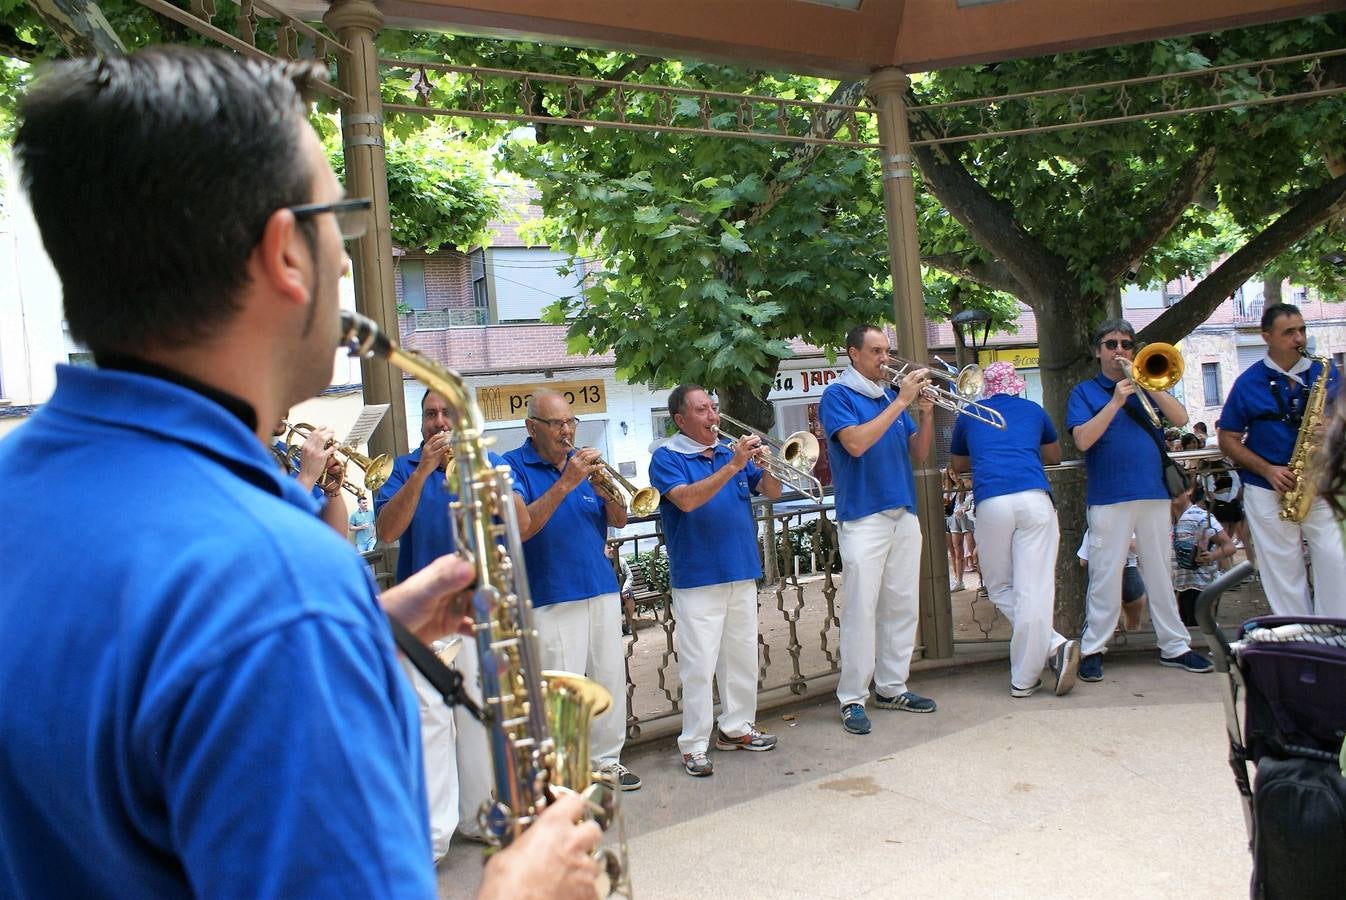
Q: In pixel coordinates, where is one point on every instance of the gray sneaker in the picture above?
(697, 765)
(1025, 691)
(905, 701)
(621, 777)
(1065, 665)
(752, 739)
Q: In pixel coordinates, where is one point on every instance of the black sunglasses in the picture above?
(352, 215)
(1111, 344)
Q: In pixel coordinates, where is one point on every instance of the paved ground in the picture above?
(1118, 790)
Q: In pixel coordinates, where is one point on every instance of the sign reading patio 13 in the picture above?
(504, 402)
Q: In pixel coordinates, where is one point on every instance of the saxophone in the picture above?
(1295, 503)
(537, 721)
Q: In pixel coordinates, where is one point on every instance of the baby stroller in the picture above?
(1291, 674)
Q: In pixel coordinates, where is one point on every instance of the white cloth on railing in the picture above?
(860, 384)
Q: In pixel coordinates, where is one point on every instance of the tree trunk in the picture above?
(1114, 302)
(80, 25)
(747, 407)
(1271, 291)
(1064, 355)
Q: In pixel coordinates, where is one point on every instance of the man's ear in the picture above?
(282, 259)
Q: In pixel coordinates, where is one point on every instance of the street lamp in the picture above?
(969, 319)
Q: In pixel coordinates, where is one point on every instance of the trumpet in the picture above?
(790, 461)
(641, 501)
(1157, 367)
(958, 395)
(376, 470)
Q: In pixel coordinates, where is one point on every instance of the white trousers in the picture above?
(1280, 556)
(880, 603)
(585, 637)
(1110, 529)
(716, 634)
(441, 768)
(1017, 537)
(472, 749)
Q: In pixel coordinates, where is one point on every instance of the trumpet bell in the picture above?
(379, 470)
(800, 450)
(645, 501)
(968, 383)
(1157, 367)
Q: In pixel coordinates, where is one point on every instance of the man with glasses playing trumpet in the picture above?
(1118, 431)
(577, 608)
(872, 441)
(714, 565)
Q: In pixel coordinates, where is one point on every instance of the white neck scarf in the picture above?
(681, 443)
(1301, 365)
(860, 384)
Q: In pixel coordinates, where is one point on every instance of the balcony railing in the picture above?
(442, 319)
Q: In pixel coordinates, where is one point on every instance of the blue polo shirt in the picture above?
(716, 542)
(1124, 463)
(430, 534)
(1267, 405)
(209, 703)
(881, 478)
(565, 559)
(1009, 461)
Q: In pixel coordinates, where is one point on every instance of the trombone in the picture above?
(641, 501)
(376, 470)
(1157, 367)
(961, 387)
(790, 461)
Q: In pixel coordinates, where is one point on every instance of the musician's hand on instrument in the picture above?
(335, 473)
(746, 449)
(1125, 388)
(436, 601)
(435, 451)
(925, 405)
(552, 858)
(581, 465)
(1280, 478)
(314, 454)
(912, 384)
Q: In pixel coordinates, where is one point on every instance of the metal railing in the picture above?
(443, 319)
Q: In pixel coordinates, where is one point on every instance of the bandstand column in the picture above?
(355, 23)
(887, 87)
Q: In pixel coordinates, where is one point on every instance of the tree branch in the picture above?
(846, 93)
(1163, 217)
(1312, 209)
(993, 275)
(80, 25)
(990, 221)
(15, 47)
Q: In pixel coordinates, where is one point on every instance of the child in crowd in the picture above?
(1199, 544)
(1133, 587)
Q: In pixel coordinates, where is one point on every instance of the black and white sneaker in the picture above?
(1065, 665)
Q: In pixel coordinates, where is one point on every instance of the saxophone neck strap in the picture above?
(449, 682)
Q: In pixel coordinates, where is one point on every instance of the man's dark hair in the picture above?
(1108, 327)
(1201, 427)
(1275, 311)
(152, 177)
(855, 338)
(677, 398)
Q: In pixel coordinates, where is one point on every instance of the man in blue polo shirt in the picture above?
(872, 440)
(1125, 495)
(714, 565)
(412, 507)
(1257, 430)
(1017, 533)
(577, 609)
(236, 722)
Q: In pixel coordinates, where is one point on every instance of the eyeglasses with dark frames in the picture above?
(352, 216)
(557, 424)
(1112, 344)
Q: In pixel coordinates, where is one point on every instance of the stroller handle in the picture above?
(1205, 610)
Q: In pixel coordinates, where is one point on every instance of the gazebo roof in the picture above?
(843, 38)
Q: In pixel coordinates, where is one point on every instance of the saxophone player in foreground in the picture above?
(1270, 427)
(210, 705)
